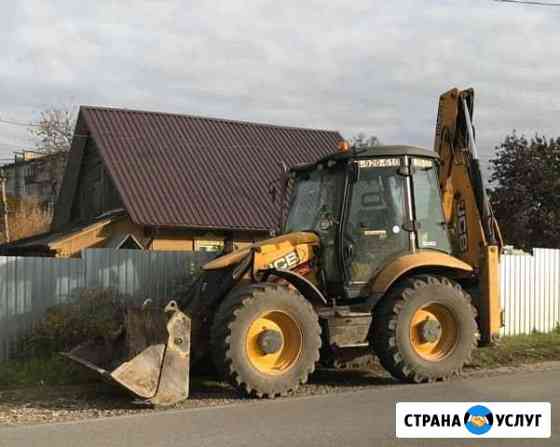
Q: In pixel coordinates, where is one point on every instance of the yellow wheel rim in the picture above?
(287, 332)
(433, 332)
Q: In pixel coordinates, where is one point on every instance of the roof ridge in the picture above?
(200, 117)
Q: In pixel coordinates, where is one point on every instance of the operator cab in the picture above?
(368, 206)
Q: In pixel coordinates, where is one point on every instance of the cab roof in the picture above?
(374, 151)
(383, 151)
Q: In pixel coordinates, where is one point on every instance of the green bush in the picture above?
(89, 313)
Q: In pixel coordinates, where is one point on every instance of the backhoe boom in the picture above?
(473, 229)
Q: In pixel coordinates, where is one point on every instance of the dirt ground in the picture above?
(47, 404)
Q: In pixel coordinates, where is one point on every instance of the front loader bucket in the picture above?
(148, 357)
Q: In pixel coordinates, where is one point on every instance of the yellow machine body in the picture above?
(283, 252)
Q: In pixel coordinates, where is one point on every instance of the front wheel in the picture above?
(425, 329)
(266, 339)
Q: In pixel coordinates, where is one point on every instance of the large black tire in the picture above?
(231, 328)
(393, 337)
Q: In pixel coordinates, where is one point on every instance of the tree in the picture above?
(54, 130)
(361, 140)
(526, 195)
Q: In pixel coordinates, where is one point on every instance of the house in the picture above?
(163, 181)
(35, 176)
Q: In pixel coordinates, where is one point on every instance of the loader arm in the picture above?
(473, 229)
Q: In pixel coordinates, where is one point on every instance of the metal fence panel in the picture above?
(141, 274)
(531, 292)
(29, 286)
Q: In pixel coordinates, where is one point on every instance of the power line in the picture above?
(528, 2)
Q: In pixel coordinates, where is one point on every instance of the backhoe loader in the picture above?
(379, 249)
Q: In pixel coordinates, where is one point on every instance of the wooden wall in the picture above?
(98, 234)
(192, 240)
(96, 193)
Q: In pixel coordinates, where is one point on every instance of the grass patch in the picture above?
(519, 349)
(53, 370)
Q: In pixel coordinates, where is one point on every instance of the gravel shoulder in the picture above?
(47, 404)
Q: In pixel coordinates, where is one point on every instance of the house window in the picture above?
(208, 245)
(29, 172)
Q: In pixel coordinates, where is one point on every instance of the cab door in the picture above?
(432, 233)
(375, 220)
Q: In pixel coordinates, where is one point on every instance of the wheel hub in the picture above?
(270, 341)
(430, 330)
(433, 331)
(274, 342)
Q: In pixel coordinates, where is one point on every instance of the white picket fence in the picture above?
(531, 291)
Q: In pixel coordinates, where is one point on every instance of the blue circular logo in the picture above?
(479, 420)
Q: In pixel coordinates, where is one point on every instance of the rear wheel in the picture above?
(425, 329)
(266, 339)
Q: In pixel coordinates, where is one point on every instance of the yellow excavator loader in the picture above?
(380, 252)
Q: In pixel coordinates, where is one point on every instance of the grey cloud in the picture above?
(356, 66)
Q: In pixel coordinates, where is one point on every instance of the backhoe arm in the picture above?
(473, 229)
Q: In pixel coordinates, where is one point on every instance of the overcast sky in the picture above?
(355, 66)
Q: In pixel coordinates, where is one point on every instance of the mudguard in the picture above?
(305, 287)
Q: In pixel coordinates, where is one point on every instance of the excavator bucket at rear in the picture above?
(148, 356)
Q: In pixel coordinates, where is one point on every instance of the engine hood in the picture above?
(270, 248)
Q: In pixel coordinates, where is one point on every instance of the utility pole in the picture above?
(5, 210)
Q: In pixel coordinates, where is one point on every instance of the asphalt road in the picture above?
(364, 418)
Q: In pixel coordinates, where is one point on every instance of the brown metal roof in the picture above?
(188, 171)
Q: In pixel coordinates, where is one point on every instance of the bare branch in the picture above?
(54, 130)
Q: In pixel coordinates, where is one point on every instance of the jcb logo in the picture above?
(462, 226)
(286, 261)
